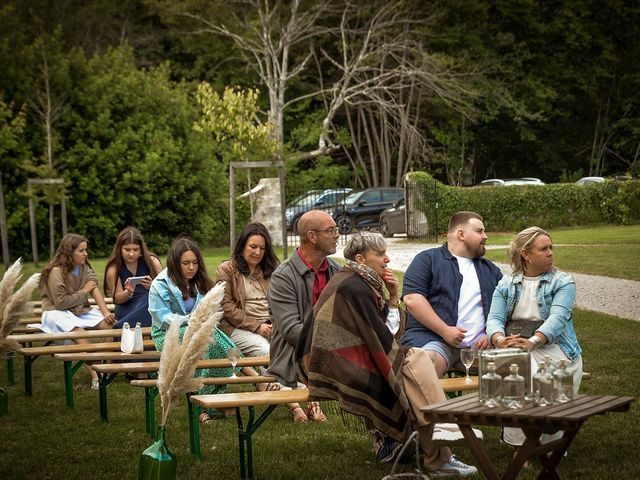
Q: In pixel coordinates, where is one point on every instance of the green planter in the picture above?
(158, 462)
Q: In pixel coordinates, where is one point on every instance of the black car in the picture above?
(362, 209)
(321, 199)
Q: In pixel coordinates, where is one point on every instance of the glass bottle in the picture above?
(138, 345)
(549, 363)
(513, 388)
(542, 387)
(491, 387)
(563, 383)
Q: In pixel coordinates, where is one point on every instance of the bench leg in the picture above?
(194, 429)
(11, 374)
(104, 381)
(245, 438)
(150, 394)
(69, 371)
(28, 374)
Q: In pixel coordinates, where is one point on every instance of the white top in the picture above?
(393, 320)
(470, 314)
(527, 307)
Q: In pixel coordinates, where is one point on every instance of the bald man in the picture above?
(295, 287)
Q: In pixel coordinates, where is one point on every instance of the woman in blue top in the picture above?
(174, 294)
(130, 258)
(540, 299)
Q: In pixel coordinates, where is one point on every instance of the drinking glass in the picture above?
(466, 357)
(233, 355)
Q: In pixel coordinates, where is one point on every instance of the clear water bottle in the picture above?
(513, 388)
(138, 342)
(563, 382)
(542, 387)
(491, 387)
(550, 365)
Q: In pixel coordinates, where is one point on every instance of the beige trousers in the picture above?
(422, 387)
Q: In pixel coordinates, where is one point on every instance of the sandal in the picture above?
(268, 387)
(204, 418)
(314, 412)
(298, 415)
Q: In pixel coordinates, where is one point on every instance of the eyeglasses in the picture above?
(331, 230)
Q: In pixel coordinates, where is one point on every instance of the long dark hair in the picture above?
(201, 282)
(269, 261)
(63, 258)
(125, 237)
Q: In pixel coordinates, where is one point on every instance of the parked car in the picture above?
(393, 219)
(589, 180)
(320, 199)
(362, 209)
(511, 181)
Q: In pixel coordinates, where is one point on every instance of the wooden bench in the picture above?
(151, 392)
(108, 371)
(31, 353)
(34, 316)
(271, 400)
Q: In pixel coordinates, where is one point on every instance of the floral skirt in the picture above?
(218, 349)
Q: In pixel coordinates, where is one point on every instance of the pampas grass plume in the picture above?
(13, 306)
(178, 361)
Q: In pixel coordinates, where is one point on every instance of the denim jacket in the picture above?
(165, 302)
(556, 295)
(434, 273)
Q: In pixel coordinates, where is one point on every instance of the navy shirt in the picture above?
(434, 273)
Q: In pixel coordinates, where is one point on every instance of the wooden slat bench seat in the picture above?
(151, 392)
(271, 400)
(108, 371)
(47, 339)
(34, 316)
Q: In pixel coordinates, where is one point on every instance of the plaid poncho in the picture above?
(347, 353)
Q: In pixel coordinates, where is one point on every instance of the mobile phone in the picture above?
(136, 280)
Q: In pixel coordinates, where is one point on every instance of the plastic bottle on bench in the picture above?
(138, 344)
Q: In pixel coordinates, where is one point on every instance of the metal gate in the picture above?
(422, 209)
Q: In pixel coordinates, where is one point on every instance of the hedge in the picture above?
(516, 207)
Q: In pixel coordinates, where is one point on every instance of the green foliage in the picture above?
(516, 207)
(134, 158)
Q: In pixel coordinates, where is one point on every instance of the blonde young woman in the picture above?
(540, 297)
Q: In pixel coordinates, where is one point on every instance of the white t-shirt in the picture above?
(527, 307)
(470, 314)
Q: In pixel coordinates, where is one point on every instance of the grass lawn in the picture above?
(42, 439)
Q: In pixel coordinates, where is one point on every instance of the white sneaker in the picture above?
(450, 433)
(95, 384)
(452, 467)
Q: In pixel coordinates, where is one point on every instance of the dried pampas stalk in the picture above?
(178, 360)
(13, 306)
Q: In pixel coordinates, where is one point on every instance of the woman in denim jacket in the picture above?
(536, 292)
(173, 295)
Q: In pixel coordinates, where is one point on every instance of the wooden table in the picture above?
(534, 421)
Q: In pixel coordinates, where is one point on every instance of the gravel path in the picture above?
(612, 296)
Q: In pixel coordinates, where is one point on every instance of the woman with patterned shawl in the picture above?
(348, 353)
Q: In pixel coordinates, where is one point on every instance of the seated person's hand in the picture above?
(391, 282)
(110, 318)
(453, 335)
(264, 330)
(89, 286)
(146, 282)
(482, 343)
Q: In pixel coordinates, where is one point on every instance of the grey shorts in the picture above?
(450, 354)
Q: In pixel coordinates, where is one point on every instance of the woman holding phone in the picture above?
(128, 276)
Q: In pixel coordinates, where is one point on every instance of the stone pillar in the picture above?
(265, 197)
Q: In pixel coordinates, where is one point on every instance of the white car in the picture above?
(589, 180)
(511, 181)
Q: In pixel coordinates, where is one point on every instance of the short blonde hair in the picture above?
(361, 243)
(522, 242)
